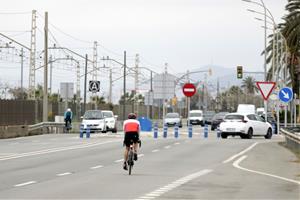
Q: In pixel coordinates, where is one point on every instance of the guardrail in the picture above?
(51, 127)
(292, 137)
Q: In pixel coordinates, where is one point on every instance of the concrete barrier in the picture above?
(13, 131)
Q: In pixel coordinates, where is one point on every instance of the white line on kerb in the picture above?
(24, 184)
(237, 162)
(239, 154)
(155, 150)
(64, 174)
(96, 167)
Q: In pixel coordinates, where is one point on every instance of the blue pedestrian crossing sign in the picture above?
(285, 94)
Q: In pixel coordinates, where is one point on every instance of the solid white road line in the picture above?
(121, 160)
(241, 153)
(155, 150)
(59, 149)
(96, 167)
(64, 174)
(237, 162)
(175, 184)
(24, 184)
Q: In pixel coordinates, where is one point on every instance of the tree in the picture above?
(290, 30)
(249, 85)
(131, 98)
(18, 93)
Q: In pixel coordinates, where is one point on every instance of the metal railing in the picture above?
(49, 126)
(292, 137)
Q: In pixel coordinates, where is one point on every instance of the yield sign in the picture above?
(265, 88)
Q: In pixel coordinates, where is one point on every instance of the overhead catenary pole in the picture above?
(51, 67)
(31, 88)
(85, 80)
(22, 68)
(110, 86)
(45, 94)
(124, 87)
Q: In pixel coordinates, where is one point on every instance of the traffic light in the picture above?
(239, 71)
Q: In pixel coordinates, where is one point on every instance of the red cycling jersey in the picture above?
(131, 125)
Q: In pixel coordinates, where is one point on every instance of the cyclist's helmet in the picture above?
(132, 116)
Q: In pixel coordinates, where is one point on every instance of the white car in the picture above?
(94, 120)
(110, 120)
(196, 117)
(245, 125)
(171, 119)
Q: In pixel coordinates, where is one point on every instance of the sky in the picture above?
(186, 34)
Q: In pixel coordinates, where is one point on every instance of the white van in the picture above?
(260, 111)
(196, 117)
(246, 109)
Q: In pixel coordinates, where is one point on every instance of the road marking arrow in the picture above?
(285, 95)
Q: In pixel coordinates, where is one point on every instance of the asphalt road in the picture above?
(61, 166)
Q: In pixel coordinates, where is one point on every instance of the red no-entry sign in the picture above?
(189, 89)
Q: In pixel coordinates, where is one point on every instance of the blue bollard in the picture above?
(218, 132)
(81, 130)
(88, 131)
(155, 134)
(165, 134)
(273, 128)
(190, 130)
(205, 131)
(176, 131)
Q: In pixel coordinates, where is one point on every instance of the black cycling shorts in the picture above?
(131, 137)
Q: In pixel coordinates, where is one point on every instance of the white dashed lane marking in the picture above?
(155, 150)
(96, 167)
(64, 174)
(175, 184)
(26, 183)
(167, 147)
(116, 161)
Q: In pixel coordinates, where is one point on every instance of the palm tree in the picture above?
(290, 30)
(249, 85)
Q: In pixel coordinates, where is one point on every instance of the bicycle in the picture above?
(68, 127)
(130, 160)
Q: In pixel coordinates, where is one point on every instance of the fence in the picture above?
(20, 112)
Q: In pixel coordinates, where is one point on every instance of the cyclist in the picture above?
(68, 117)
(131, 129)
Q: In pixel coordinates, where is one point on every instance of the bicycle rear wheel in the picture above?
(130, 162)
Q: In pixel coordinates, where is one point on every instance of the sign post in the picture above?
(188, 90)
(285, 95)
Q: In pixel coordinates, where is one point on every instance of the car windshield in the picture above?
(235, 117)
(172, 115)
(219, 116)
(107, 114)
(195, 114)
(93, 114)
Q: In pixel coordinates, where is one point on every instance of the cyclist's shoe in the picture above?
(135, 156)
(125, 166)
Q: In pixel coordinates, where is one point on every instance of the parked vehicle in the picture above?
(217, 119)
(171, 119)
(245, 125)
(208, 115)
(195, 117)
(94, 119)
(246, 108)
(110, 120)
